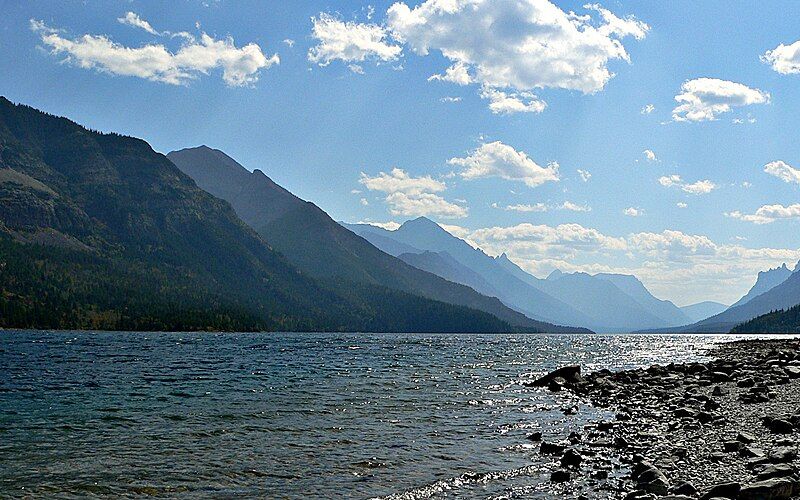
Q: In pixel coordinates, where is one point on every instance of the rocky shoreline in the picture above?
(726, 428)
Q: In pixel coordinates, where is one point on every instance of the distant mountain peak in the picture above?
(555, 275)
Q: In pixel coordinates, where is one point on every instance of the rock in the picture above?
(723, 490)
(745, 438)
(600, 474)
(560, 476)
(779, 426)
(571, 458)
(570, 375)
(751, 452)
(792, 371)
(551, 448)
(720, 377)
(773, 471)
(658, 486)
(684, 488)
(781, 455)
(767, 490)
(676, 497)
(536, 436)
(731, 446)
(685, 412)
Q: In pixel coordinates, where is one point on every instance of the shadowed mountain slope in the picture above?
(318, 245)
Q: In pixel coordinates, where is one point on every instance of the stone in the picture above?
(745, 438)
(560, 476)
(684, 488)
(731, 446)
(767, 490)
(723, 490)
(536, 436)
(547, 448)
(751, 452)
(779, 426)
(773, 471)
(658, 486)
(783, 454)
(571, 458)
(570, 375)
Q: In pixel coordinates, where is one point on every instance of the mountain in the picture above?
(426, 235)
(442, 264)
(98, 231)
(319, 246)
(665, 310)
(767, 280)
(784, 321)
(610, 309)
(702, 310)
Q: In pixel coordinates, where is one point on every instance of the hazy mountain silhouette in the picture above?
(702, 310)
(766, 281)
(319, 246)
(426, 235)
(665, 310)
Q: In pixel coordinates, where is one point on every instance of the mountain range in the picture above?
(100, 231)
(603, 302)
(319, 246)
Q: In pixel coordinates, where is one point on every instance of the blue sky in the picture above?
(328, 98)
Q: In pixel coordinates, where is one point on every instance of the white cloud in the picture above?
(349, 42)
(505, 103)
(574, 207)
(672, 264)
(496, 159)
(633, 212)
(412, 196)
(768, 214)
(785, 59)
(355, 68)
(681, 204)
(389, 226)
(783, 171)
(240, 66)
(526, 207)
(521, 44)
(133, 19)
(457, 73)
(703, 99)
(746, 184)
(289, 42)
(450, 99)
(364, 202)
(699, 187)
(650, 155)
(585, 175)
(398, 180)
(647, 109)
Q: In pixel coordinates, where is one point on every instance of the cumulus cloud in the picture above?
(509, 46)
(703, 99)
(649, 155)
(673, 264)
(349, 42)
(412, 196)
(450, 99)
(542, 207)
(768, 214)
(633, 212)
(240, 65)
(647, 109)
(585, 175)
(496, 159)
(783, 171)
(457, 73)
(785, 59)
(133, 19)
(699, 187)
(506, 103)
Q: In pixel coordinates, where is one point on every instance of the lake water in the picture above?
(294, 415)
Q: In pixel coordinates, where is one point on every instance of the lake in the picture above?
(295, 415)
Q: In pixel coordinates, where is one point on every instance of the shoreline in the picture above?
(725, 428)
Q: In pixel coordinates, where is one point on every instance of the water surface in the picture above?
(294, 415)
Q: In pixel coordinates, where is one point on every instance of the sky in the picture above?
(652, 138)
